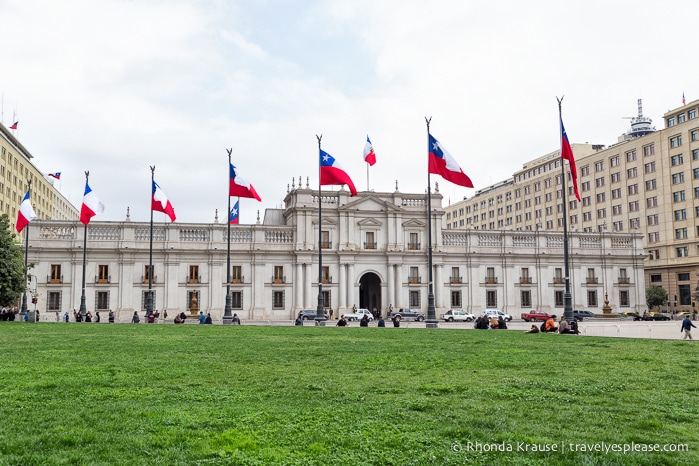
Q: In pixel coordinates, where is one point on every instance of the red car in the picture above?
(539, 316)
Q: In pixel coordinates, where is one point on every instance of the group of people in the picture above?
(487, 323)
(563, 327)
(8, 314)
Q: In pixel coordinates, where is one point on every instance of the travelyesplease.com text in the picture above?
(563, 447)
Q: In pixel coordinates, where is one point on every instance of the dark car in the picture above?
(411, 314)
(582, 315)
(310, 314)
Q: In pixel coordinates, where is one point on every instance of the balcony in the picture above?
(370, 245)
(591, 280)
(326, 245)
(455, 280)
(279, 280)
(624, 281)
(557, 280)
(327, 280)
(238, 280)
(144, 279)
(193, 279)
(413, 246)
(414, 279)
(525, 280)
(491, 280)
(103, 280)
(54, 280)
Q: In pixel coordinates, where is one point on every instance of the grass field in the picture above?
(195, 394)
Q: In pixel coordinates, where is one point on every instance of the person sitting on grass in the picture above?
(563, 326)
(534, 329)
(365, 321)
(502, 325)
(342, 322)
(550, 324)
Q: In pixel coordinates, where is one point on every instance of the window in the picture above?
(649, 150)
(278, 276)
(144, 299)
(599, 166)
(653, 219)
(193, 274)
(414, 276)
(585, 186)
(616, 177)
(696, 173)
(193, 303)
(587, 216)
(670, 121)
(585, 171)
(456, 299)
(491, 298)
(325, 240)
(370, 242)
(56, 273)
(147, 274)
(685, 295)
(656, 278)
(683, 277)
(236, 299)
(54, 298)
(526, 298)
(692, 114)
(614, 161)
(681, 214)
(102, 274)
(601, 213)
(681, 233)
(413, 244)
(631, 156)
(490, 275)
(414, 298)
(599, 182)
(278, 299)
(678, 178)
(682, 251)
(524, 278)
(586, 201)
(694, 134)
(695, 154)
(326, 278)
(616, 210)
(676, 141)
(696, 192)
(633, 189)
(649, 167)
(455, 276)
(678, 196)
(653, 237)
(616, 193)
(558, 298)
(327, 302)
(652, 202)
(632, 172)
(624, 298)
(600, 197)
(591, 298)
(102, 300)
(618, 226)
(654, 254)
(236, 274)
(680, 118)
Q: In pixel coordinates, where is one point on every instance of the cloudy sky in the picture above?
(115, 86)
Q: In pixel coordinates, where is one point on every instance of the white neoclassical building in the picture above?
(374, 255)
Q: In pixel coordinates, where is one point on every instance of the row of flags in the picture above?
(440, 162)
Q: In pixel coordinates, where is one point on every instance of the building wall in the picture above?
(648, 185)
(462, 262)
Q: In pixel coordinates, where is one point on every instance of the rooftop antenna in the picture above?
(640, 125)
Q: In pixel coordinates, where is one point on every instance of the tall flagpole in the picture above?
(227, 316)
(83, 309)
(567, 297)
(319, 309)
(431, 321)
(149, 296)
(367, 176)
(26, 256)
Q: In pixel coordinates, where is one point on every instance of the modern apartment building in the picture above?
(647, 182)
(16, 168)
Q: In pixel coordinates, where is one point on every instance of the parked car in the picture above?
(494, 314)
(458, 314)
(539, 316)
(310, 314)
(359, 314)
(582, 315)
(637, 316)
(655, 315)
(411, 314)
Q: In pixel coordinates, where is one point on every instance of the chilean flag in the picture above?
(25, 215)
(567, 154)
(91, 206)
(240, 186)
(442, 163)
(160, 202)
(235, 213)
(369, 155)
(332, 173)
(56, 175)
(14, 125)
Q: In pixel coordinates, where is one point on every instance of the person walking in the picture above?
(687, 328)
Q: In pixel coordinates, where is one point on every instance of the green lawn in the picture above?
(195, 394)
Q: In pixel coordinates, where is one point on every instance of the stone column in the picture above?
(400, 299)
(391, 289)
(298, 287)
(342, 286)
(308, 302)
(438, 287)
(351, 298)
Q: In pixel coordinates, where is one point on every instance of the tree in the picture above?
(655, 296)
(13, 276)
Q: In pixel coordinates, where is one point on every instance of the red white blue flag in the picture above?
(567, 154)
(332, 173)
(235, 214)
(369, 155)
(442, 163)
(91, 205)
(160, 202)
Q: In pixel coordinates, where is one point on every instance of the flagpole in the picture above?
(567, 297)
(227, 316)
(26, 256)
(83, 309)
(319, 309)
(431, 321)
(367, 176)
(149, 296)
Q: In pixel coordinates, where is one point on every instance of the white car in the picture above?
(495, 314)
(459, 315)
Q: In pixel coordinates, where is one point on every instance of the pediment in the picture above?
(370, 204)
(413, 223)
(369, 223)
(326, 221)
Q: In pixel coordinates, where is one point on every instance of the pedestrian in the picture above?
(97, 317)
(381, 323)
(202, 317)
(365, 321)
(687, 328)
(208, 319)
(396, 321)
(236, 319)
(135, 319)
(66, 317)
(88, 317)
(299, 321)
(110, 317)
(151, 318)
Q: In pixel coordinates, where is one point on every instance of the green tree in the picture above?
(13, 279)
(655, 296)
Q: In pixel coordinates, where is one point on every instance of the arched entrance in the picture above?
(370, 293)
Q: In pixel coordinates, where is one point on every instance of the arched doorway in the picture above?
(370, 293)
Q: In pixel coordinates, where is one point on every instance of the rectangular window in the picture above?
(236, 299)
(558, 298)
(614, 161)
(649, 150)
(599, 166)
(685, 295)
(193, 302)
(54, 298)
(278, 299)
(683, 277)
(414, 276)
(616, 209)
(455, 275)
(616, 193)
(682, 251)
(413, 243)
(601, 197)
(656, 278)
(681, 214)
(599, 182)
(649, 167)
(193, 274)
(678, 178)
(692, 114)
(681, 233)
(585, 186)
(616, 177)
(651, 185)
(491, 298)
(278, 276)
(653, 237)
(676, 141)
(414, 299)
(144, 299)
(147, 274)
(103, 274)
(526, 298)
(325, 240)
(653, 219)
(591, 298)
(370, 242)
(326, 275)
(236, 274)
(56, 276)
(652, 202)
(102, 300)
(633, 189)
(456, 299)
(670, 121)
(327, 302)
(678, 196)
(624, 298)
